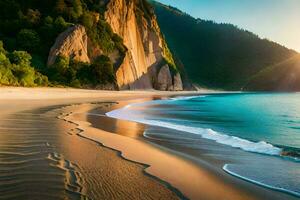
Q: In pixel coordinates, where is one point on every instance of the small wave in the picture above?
(187, 97)
(236, 142)
(226, 169)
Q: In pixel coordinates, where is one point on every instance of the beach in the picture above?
(59, 144)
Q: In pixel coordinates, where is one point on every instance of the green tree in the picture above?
(47, 29)
(2, 50)
(28, 39)
(102, 35)
(48, 21)
(25, 75)
(33, 17)
(60, 7)
(21, 68)
(21, 58)
(60, 24)
(6, 75)
(103, 70)
(4, 61)
(58, 71)
(87, 20)
(16, 69)
(77, 10)
(76, 83)
(62, 63)
(41, 80)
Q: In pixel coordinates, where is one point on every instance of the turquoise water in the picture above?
(265, 126)
(274, 118)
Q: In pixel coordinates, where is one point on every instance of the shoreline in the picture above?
(164, 165)
(48, 93)
(35, 142)
(214, 176)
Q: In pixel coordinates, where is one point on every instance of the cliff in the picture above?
(147, 51)
(142, 61)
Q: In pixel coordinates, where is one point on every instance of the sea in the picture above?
(256, 136)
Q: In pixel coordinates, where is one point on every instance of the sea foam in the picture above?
(258, 147)
(227, 169)
(187, 97)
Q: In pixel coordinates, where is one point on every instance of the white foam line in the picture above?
(236, 142)
(187, 97)
(225, 168)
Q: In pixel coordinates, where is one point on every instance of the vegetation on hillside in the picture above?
(217, 55)
(79, 74)
(214, 55)
(284, 76)
(32, 26)
(16, 69)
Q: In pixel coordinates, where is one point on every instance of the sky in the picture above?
(276, 20)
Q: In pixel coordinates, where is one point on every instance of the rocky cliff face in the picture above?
(71, 43)
(144, 65)
(147, 51)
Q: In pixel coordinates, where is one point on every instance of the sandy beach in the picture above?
(58, 144)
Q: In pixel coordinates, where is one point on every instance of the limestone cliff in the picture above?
(135, 22)
(71, 43)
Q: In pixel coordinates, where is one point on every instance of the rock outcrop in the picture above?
(177, 86)
(164, 79)
(165, 82)
(71, 43)
(135, 23)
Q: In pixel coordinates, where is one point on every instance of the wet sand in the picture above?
(194, 179)
(59, 145)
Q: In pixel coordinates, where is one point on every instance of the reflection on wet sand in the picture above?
(45, 157)
(105, 174)
(195, 181)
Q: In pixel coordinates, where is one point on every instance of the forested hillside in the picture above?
(32, 26)
(103, 44)
(217, 55)
(284, 76)
(90, 44)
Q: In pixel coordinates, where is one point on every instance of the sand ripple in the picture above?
(30, 168)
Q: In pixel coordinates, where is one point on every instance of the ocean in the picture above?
(256, 136)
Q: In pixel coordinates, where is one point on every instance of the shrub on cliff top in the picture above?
(101, 34)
